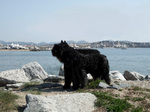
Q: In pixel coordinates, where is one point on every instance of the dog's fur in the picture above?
(80, 64)
(68, 68)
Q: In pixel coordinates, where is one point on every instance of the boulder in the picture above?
(116, 75)
(61, 70)
(34, 71)
(12, 77)
(77, 102)
(147, 77)
(133, 76)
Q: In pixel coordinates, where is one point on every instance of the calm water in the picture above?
(137, 60)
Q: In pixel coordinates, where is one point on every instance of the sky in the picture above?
(89, 20)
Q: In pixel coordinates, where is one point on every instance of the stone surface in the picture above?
(34, 70)
(54, 78)
(77, 102)
(103, 85)
(12, 77)
(116, 75)
(17, 85)
(133, 76)
(61, 70)
(147, 77)
(113, 86)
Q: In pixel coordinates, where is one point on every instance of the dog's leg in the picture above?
(83, 78)
(68, 76)
(76, 78)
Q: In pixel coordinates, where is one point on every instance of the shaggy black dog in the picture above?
(68, 67)
(81, 64)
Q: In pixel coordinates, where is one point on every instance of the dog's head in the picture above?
(59, 49)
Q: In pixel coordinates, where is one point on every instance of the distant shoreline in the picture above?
(14, 50)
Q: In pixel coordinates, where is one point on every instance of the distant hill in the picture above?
(41, 43)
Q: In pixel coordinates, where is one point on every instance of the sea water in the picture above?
(132, 59)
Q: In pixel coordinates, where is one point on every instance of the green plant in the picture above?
(110, 103)
(33, 90)
(135, 88)
(137, 109)
(94, 84)
(7, 101)
(137, 99)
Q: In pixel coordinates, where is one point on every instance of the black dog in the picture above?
(68, 69)
(81, 64)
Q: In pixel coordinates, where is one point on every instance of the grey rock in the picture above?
(12, 77)
(34, 70)
(37, 80)
(61, 71)
(17, 85)
(54, 78)
(147, 77)
(77, 102)
(103, 85)
(116, 75)
(113, 86)
(133, 76)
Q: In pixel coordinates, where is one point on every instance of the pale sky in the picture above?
(89, 20)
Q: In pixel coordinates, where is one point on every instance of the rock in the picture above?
(17, 85)
(50, 85)
(116, 75)
(61, 71)
(147, 77)
(133, 76)
(113, 86)
(89, 76)
(12, 77)
(103, 85)
(34, 70)
(77, 102)
(54, 78)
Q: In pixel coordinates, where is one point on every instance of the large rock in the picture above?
(29, 72)
(12, 77)
(116, 75)
(133, 76)
(78, 102)
(34, 71)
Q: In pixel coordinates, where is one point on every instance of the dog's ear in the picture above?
(65, 42)
(61, 41)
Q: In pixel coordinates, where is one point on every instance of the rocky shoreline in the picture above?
(52, 93)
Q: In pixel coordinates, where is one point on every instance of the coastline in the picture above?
(14, 50)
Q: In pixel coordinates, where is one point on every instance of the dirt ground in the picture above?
(138, 94)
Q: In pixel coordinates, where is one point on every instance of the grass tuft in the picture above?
(7, 101)
(110, 103)
(94, 84)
